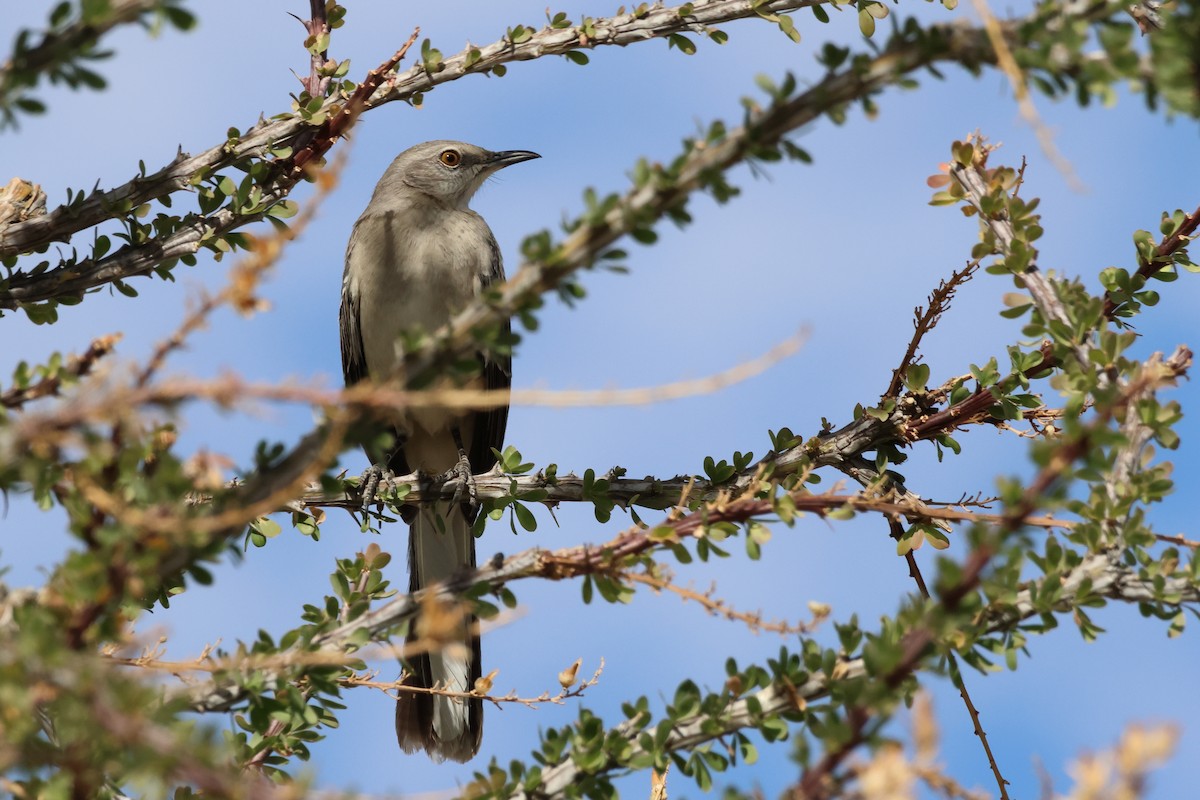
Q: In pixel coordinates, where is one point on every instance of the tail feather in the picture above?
(445, 727)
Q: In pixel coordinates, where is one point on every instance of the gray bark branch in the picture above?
(952, 42)
(1099, 574)
(61, 223)
(78, 33)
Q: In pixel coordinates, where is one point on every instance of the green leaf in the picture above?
(284, 209)
(916, 378)
(525, 517)
(788, 26)
(60, 14)
(266, 526)
(181, 18)
(866, 23)
(683, 43)
(30, 105)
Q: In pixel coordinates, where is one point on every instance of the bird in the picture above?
(418, 255)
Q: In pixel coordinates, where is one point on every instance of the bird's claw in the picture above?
(464, 480)
(371, 479)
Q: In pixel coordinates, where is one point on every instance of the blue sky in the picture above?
(845, 247)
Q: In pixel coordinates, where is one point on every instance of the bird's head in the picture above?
(451, 172)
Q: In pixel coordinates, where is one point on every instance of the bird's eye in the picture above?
(450, 158)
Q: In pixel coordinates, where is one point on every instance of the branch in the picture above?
(718, 607)
(977, 182)
(77, 366)
(1103, 573)
(106, 402)
(569, 688)
(694, 171)
(1109, 579)
(914, 570)
(841, 449)
(952, 42)
(57, 47)
(621, 30)
(316, 26)
(1098, 575)
(73, 279)
(1162, 259)
(925, 319)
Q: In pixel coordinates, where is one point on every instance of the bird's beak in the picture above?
(506, 158)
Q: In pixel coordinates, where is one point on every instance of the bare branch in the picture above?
(960, 683)
(956, 676)
(718, 607)
(925, 319)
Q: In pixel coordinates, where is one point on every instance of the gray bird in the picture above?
(417, 256)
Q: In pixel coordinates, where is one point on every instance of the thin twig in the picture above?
(1177, 539)
(1162, 257)
(68, 39)
(925, 319)
(245, 275)
(721, 608)
(316, 25)
(76, 367)
(226, 391)
(960, 683)
(391, 688)
(914, 571)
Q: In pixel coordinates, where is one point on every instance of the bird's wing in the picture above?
(497, 374)
(354, 360)
(354, 357)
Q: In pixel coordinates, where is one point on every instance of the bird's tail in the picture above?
(445, 727)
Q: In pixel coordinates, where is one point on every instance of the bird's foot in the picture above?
(372, 478)
(464, 480)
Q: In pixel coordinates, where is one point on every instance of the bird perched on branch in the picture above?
(417, 256)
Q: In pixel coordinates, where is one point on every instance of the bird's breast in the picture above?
(408, 272)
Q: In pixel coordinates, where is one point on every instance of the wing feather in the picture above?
(354, 359)
(490, 425)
